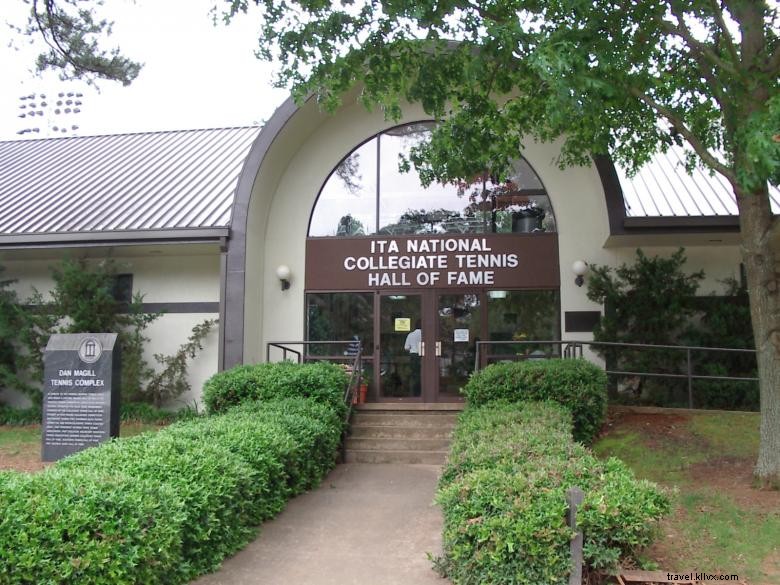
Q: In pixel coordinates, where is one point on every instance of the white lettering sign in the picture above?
(475, 262)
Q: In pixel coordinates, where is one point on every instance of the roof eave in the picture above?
(113, 238)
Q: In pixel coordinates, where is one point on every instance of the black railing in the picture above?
(574, 349)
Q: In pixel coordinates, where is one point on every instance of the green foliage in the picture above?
(323, 381)
(653, 302)
(503, 490)
(172, 381)
(20, 416)
(143, 412)
(10, 322)
(164, 507)
(596, 77)
(63, 526)
(85, 296)
(725, 322)
(83, 300)
(576, 384)
(74, 35)
(649, 302)
(140, 412)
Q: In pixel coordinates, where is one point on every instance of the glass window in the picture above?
(348, 203)
(405, 205)
(523, 315)
(340, 317)
(122, 290)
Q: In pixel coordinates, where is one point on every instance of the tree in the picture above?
(10, 322)
(650, 302)
(606, 77)
(73, 35)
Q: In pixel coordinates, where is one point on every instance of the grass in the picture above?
(729, 535)
(731, 434)
(714, 527)
(656, 464)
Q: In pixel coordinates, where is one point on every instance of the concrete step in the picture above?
(404, 419)
(366, 431)
(412, 406)
(398, 456)
(398, 434)
(374, 444)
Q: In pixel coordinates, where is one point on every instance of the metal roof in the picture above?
(662, 188)
(147, 181)
(186, 179)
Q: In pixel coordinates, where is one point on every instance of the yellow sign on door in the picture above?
(403, 324)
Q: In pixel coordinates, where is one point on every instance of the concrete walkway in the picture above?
(365, 525)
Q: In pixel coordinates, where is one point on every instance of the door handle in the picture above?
(438, 348)
(421, 349)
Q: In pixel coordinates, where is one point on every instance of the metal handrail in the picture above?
(573, 350)
(283, 345)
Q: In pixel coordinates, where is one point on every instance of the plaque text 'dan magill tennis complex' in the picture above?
(80, 394)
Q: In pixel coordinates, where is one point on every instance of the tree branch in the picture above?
(718, 12)
(773, 63)
(698, 49)
(697, 145)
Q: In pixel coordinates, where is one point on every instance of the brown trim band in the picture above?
(179, 308)
(235, 264)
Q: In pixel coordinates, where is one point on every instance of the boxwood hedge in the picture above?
(503, 490)
(577, 384)
(320, 380)
(166, 507)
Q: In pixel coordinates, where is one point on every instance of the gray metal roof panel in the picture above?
(156, 180)
(662, 188)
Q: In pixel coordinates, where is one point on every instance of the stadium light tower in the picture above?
(50, 114)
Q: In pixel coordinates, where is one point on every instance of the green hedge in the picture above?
(322, 381)
(576, 384)
(503, 490)
(165, 507)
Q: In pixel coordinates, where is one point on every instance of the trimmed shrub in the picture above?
(76, 526)
(164, 507)
(215, 487)
(576, 384)
(323, 381)
(503, 496)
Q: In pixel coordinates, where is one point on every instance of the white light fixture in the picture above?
(283, 274)
(497, 294)
(579, 268)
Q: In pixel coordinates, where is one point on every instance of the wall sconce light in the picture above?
(579, 268)
(283, 274)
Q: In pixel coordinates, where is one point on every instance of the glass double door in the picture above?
(426, 344)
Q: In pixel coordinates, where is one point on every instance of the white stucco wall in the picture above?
(164, 275)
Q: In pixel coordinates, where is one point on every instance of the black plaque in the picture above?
(581, 321)
(80, 394)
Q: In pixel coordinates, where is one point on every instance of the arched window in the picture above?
(367, 195)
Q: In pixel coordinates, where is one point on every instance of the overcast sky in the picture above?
(195, 75)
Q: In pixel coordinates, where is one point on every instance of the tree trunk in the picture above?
(763, 287)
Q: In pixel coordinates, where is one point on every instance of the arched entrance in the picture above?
(421, 273)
